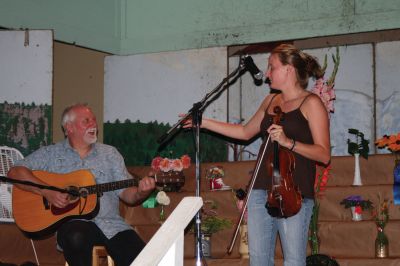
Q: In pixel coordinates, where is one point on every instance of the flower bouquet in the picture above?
(169, 172)
(392, 143)
(357, 148)
(210, 223)
(321, 181)
(357, 205)
(325, 89)
(214, 176)
(381, 217)
(162, 199)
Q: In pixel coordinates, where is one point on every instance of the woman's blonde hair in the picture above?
(306, 65)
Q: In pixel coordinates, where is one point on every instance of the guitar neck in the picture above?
(100, 188)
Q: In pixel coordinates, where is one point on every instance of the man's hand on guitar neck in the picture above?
(136, 195)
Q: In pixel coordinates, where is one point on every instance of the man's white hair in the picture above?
(68, 115)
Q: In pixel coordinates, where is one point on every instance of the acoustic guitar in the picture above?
(36, 217)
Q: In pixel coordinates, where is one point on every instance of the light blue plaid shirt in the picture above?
(105, 163)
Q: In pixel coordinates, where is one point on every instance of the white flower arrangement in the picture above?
(162, 198)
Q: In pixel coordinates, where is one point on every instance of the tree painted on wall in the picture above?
(25, 127)
(137, 142)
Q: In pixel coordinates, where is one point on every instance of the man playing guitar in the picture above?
(80, 150)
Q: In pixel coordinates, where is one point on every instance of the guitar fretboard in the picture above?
(94, 189)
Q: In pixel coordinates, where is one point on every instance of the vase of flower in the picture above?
(381, 216)
(396, 170)
(357, 148)
(356, 213)
(244, 243)
(357, 175)
(206, 245)
(356, 205)
(381, 244)
(162, 199)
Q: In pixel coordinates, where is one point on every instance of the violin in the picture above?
(284, 199)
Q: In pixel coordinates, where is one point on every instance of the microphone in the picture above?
(252, 68)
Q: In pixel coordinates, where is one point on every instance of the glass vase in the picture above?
(162, 215)
(244, 244)
(357, 174)
(396, 179)
(381, 244)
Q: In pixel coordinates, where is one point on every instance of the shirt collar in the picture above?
(68, 146)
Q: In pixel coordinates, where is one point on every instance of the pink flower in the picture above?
(155, 163)
(176, 165)
(326, 93)
(165, 165)
(357, 210)
(185, 161)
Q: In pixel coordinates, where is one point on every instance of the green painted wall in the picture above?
(143, 26)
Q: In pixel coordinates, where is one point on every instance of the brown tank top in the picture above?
(295, 126)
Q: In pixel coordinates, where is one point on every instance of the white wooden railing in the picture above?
(165, 248)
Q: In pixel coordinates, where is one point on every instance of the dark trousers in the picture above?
(77, 239)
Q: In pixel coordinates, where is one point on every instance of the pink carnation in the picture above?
(326, 93)
(176, 165)
(165, 165)
(185, 161)
(155, 163)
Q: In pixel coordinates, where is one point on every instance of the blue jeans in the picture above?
(262, 231)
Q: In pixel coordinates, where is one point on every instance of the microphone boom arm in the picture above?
(201, 105)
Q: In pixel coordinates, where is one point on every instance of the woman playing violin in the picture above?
(304, 130)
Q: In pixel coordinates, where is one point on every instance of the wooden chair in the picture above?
(97, 253)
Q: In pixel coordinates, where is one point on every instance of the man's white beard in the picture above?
(90, 138)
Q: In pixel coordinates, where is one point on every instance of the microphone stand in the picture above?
(196, 115)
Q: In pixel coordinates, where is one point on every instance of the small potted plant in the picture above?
(210, 224)
(357, 205)
(357, 148)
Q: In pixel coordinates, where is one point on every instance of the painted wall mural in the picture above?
(152, 90)
(26, 70)
(25, 127)
(26, 74)
(372, 109)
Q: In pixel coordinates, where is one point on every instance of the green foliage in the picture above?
(137, 142)
(360, 145)
(213, 224)
(26, 127)
(354, 201)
